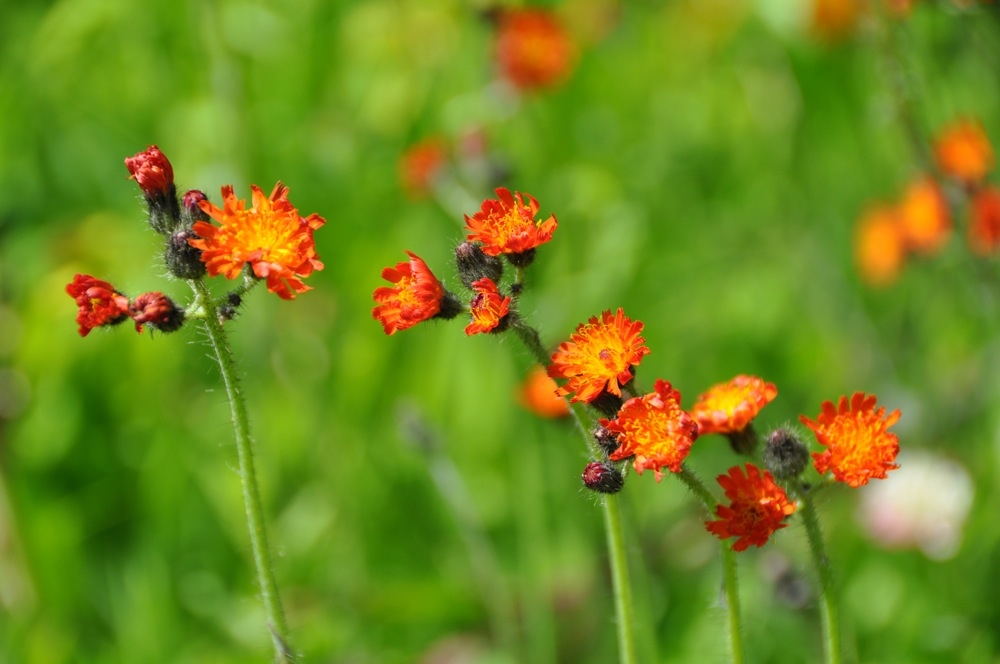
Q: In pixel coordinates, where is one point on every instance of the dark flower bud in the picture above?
(602, 477)
(183, 260)
(607, 404)
(785, 455)
(156, 311)
(606, 439)
(743, 441)
(522, 259)
(227, 310)
(451, 306)
(191, 209)
(473, 264)
(155, 176)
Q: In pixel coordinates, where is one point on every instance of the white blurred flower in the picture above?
(923, 504)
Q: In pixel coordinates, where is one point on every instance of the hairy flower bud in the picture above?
(606, 439)
(157, 311)
(155, 176)
(785, 455)
(474, 265)
(183, 260)
(191, 207)
(603, 478)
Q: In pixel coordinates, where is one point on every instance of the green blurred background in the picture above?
(706, 161)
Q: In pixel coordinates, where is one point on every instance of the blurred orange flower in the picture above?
(984, 225)
(730, 407)
(923, 216)
(859, 445)
(599, 356)
(506, 225)
(757, 508)
(963, 151)
(879, 246)
(833, 19)
(271, 237)
(488, 307)
(419, 165)
(533, 48)
(415, 296)
(538, 394)
(654, 429)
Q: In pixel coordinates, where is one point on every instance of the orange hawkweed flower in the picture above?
(98, 301)
(757, 507)
(152, 171)
(859, 445)
(533, 49)
(415, 297)
(488, 308)
(963, 151)
(419, 165)
(506, 225)
(879, 246)
(538, 394)
(730, 407)
(599, 356)
(271, 237)
(984, 227)
(654, 429)
(923, 216)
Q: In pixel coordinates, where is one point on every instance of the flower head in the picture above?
(506, 225)
(859, 445)
(984, 227)
(152, 171)
(923, 216)
(538, 394)
(602, 477)
(419, 165)
(156, 311)
(100, 304)
(533, 49)
(271, 237)
(599, 356)
(757, 507)
(879, 246)
(730, 407)
(415, 296)
(963, 151)
(489, 309)
(654, 430)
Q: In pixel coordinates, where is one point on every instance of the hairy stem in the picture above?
(828, 597)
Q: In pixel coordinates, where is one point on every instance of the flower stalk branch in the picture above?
(828, 598)
(248, 478)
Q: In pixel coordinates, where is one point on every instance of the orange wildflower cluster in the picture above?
(270, 237)
(533, 49)
(859, 445)
(599, 356)
(730, 407)
(654, 430)
(758, 507)
(963, 151)
(506, 225)
(100, 304)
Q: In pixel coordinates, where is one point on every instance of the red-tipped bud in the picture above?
(606, 439)
(191, 207)
(100, 304)
(602, 477)
(183, 260)
(155, 176)
(156, 311)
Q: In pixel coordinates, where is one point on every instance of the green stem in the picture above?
(828, 599)
(621, 588)
(730, 573)
(248, 477)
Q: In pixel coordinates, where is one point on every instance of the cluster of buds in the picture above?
(596, 369)
(920, 223)
(268, 242)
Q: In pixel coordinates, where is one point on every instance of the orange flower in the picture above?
(859, 445)
(923, 216)
(100, 304)
(833, 19)
(271, 237)
(599, 356)
(533, 49)
(507, 226)
(152, 171)
(538, 394)
(420, 164)
(416, 296)
(488, 308)
(730, 407)
(963, 151)
(984, 227)
(879, 246)
(757, 507)
(654, 430)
